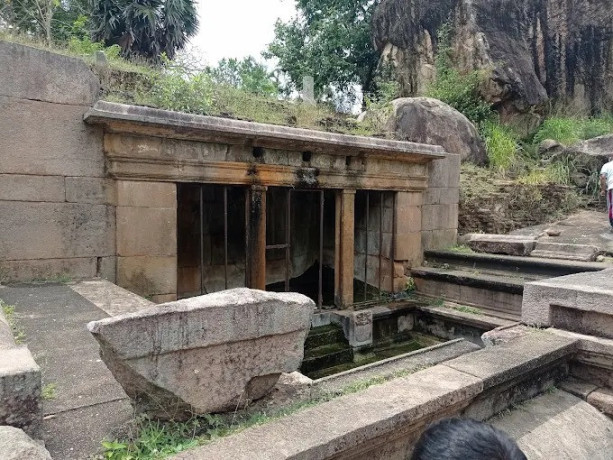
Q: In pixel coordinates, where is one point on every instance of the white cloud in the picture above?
(237, 28)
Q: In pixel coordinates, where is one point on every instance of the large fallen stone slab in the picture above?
(205, 354)
(512, 245)
(16, 445)
(565, 251)
(581, 303)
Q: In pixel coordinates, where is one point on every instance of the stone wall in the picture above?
(440, 204)
(57, 208)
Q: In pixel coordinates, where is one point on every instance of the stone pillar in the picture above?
(344, 249)
(147, 239)
(408, 229)
(256, 237)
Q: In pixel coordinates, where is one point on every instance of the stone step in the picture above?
(326, 356)
(565, 251)
(513, 245)
(579, 303)
(324, 335)
(513, 265)
(496, 293)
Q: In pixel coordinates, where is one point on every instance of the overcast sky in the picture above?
(237, 28)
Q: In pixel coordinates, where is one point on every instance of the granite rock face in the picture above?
(205, 354)
(430, 121)
(535, 50)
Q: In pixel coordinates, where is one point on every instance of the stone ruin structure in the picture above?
(213, 353)
(171, 205)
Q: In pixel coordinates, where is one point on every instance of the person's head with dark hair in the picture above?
(465, 439)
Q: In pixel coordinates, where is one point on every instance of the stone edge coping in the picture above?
(568, 283)
(107, 112)
(110, 298)
(368, 367)
(484, 320)
(465, 278)
(6, 334)
(519, 260)
(355, 420)
(496, 238)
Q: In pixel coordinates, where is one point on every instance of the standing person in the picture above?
(606, 187)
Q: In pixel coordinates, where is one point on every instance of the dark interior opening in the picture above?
(296, 245)
(210, 234)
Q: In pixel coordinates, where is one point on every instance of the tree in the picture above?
(145, 28)
(247, 74)
(30, 16)
(330, 40)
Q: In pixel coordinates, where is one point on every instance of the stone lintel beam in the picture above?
(164, 123)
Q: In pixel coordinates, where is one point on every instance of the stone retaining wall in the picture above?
(57, 208)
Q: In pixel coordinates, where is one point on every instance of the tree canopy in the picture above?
(246, 74)
(145, 28)
(330, 40)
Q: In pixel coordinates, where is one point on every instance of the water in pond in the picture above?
(327, 352)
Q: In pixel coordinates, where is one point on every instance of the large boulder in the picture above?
(16, 445)
(534, 50)
(430, 121)
(205, 354)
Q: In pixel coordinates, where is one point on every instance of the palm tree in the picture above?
(144, 28)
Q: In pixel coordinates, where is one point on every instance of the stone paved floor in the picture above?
(584, 227)
(88, 404)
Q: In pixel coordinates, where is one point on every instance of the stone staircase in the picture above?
(325, 348)
(492, 282)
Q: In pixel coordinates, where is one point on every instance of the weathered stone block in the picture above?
(148, 275)
(588, 295)
(565, 251)
(409, 199)
(31, 73)
(16, 187)
(146, 194)
(441, 239)
(408, 247)
(357, 326)
(41, 269)
(90, 190)
(56, 230)
(513, 245)
(450, 196)
(408, 219)
(20, 387)
(146, 231)
(45, 150)
(16, 445)
(205, 354)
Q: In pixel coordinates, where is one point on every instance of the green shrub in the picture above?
(501, 144)
(460, 90)
(568, 130)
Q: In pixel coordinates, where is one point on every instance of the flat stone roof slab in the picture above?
(201, 127)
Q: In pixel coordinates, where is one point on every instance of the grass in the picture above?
(467, 309)
(49, 391)
(569, 130)
(9, 313)
(152, 439)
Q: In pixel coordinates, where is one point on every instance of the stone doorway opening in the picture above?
(211, 246)
(300, 242)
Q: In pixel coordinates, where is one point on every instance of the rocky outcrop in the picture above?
(205, 354)
(430, 121)
(535, 50)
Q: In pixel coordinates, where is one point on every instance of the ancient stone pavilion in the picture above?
(204, 204)
(171, 205)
